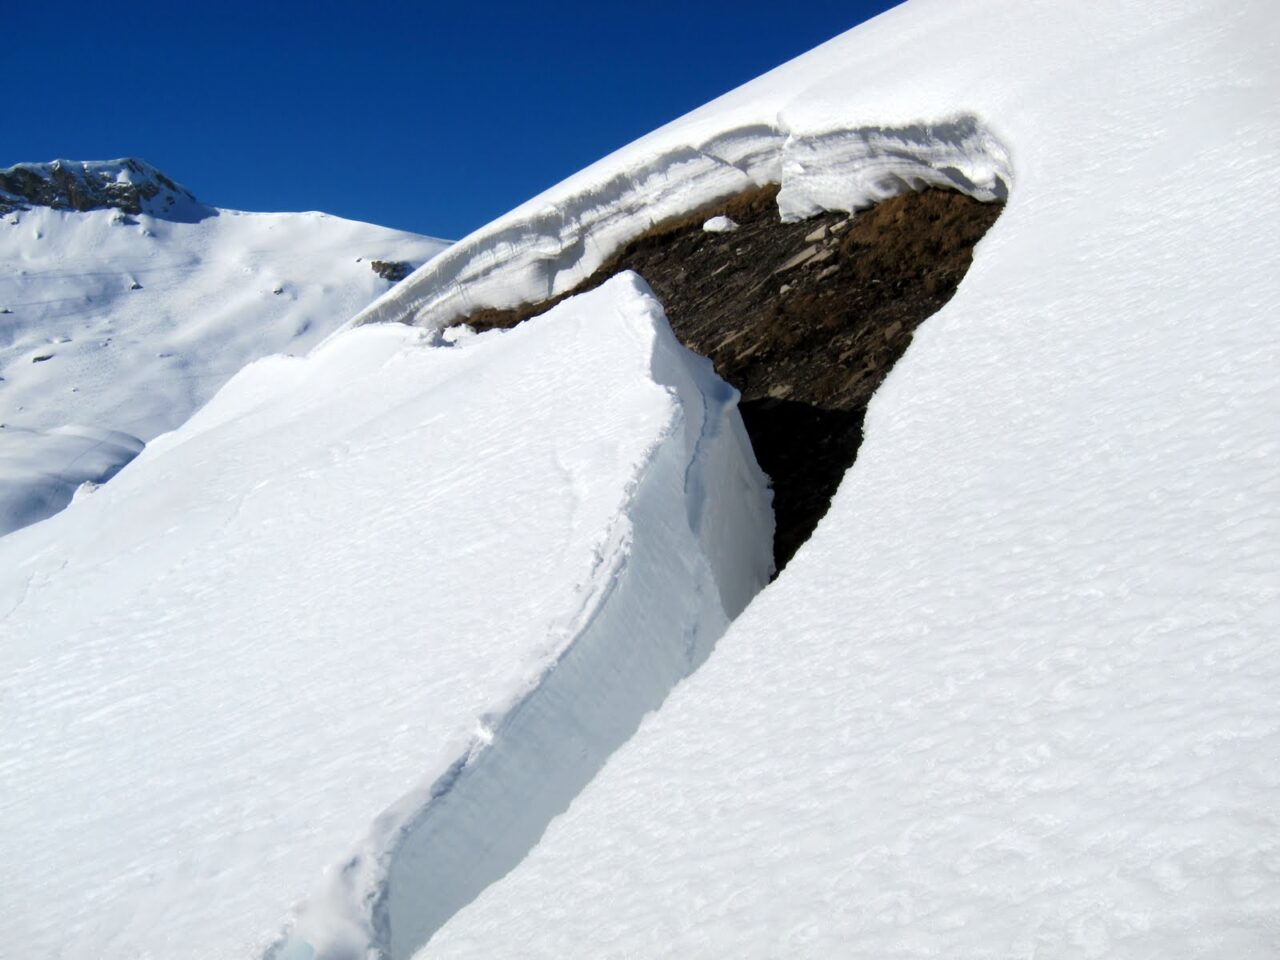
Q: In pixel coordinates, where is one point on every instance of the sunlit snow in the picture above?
(312, 673)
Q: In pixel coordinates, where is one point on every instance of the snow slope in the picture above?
(141, 317)
(1017, 696)
(371, 612)
(346, 640)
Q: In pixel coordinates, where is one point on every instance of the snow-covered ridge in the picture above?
(129, 185)
(549, 245)
(688, 549)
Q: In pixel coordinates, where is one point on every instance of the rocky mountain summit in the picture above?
(129, 185)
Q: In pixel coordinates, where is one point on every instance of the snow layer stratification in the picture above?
(1016, 696)
(547, 246)
(346, 640)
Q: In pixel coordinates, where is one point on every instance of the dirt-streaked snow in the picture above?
(140, 318)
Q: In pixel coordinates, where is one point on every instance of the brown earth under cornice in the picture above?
(805, 319)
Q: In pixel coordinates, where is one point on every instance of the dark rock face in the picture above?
(130, 185)
(805, 319)
(393, 270)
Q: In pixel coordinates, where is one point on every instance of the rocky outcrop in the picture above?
(393, 270)
(806, 319)
(130, 185)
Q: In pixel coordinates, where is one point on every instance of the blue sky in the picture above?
(433, 117)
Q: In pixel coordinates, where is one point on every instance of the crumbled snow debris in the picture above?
(720, 224)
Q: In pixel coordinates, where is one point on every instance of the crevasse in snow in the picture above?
(400, 591)
(689, 547)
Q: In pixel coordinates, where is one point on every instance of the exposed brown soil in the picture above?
(805, 319)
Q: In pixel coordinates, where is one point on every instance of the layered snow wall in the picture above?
(403, 591)
(550, 244)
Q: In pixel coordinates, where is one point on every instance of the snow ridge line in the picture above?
(552, 243)
(659, 597)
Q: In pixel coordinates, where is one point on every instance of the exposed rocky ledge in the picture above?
(806, 319)
(129, 185)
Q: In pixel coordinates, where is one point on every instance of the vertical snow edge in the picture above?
(689, 549)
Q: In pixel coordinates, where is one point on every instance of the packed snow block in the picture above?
(460, 574)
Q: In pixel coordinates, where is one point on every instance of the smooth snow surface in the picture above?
(1017, 697)
(346, 640)
(141, 319)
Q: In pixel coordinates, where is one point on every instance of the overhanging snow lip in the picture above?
(551, 243)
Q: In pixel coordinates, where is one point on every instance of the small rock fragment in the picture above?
(805, 255)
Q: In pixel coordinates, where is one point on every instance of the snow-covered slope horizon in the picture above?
(125, 303)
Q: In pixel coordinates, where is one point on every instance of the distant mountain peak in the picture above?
(129, 185)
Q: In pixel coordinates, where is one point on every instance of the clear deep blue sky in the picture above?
(432, 117)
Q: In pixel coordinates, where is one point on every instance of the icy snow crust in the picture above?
(142, 318)
(1017, 695)
(398, 598)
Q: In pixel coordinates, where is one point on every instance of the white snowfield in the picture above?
(380, 612)
(127, 324)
